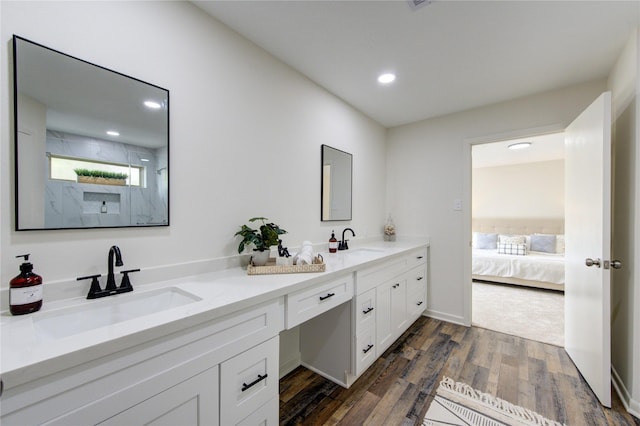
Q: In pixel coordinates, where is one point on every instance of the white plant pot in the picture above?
(260, 258)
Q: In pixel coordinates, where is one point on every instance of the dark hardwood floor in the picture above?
(398, 388)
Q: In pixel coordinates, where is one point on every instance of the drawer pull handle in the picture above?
(327, 296)
(419, 303)
(369, 309)
(367, 349)
(419, 257)
(419, 278)
(255, 382)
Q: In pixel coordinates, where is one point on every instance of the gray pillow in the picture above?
(486, 241)
(543, 243)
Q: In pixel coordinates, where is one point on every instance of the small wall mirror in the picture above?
(336, 184)
(91, 144)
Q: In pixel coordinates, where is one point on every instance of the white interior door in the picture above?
(588, 236)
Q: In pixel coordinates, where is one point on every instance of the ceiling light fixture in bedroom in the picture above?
(519, 145)
(386, 78)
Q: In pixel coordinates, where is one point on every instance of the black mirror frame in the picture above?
(16, 150)
(322, 157)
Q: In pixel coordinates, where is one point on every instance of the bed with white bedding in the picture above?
(527, 252)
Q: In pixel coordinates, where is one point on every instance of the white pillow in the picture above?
(512, 239)
(484, 241)
(560, 243)
(543, 243)
(508, 248)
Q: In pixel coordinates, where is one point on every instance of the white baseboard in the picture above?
(289, 365)
(631, 405)
(326, 376)
(442, 316)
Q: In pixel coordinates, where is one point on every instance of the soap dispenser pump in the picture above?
(333, 243)
(25, 292)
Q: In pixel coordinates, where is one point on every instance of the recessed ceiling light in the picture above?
(386, 78)
(152, 104)
(113, 133)
(519, 145)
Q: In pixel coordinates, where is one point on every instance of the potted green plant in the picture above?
(262, 239)
(101, 177)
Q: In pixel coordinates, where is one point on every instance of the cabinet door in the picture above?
(384, 334)
(192, 402)
(391, 318)
(399, 317)
(248, 381)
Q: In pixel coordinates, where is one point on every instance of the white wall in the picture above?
(528, 190)
(625, 282)
(425, 163)
(245, 137)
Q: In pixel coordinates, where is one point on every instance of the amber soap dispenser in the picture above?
(25, 290)
(333, 243)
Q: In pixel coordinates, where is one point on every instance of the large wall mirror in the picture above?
(91, 144)
(336, 184)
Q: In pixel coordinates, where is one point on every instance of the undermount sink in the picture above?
(364, 251)
(108, 311)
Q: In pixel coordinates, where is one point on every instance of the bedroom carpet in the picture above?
(520, 311)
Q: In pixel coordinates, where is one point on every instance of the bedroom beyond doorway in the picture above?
(531, 313)
(518, 237)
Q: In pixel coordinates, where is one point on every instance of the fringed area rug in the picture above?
(459, 404)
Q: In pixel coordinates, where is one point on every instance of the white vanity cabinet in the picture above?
(400, 286)
(341, 343)
(194, 376)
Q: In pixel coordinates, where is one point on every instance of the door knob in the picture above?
(616, 264)
(591, 262)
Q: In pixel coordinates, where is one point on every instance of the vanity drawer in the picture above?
(248, 381)
(365, 309)
(417, 257)
(310, 302)
(417, 291)
(366, 351)
(267, 415)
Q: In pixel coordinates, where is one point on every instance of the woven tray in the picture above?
(271, 268)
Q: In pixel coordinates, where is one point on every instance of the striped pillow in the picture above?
(517, 249)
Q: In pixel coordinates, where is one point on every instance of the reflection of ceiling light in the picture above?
(113, 133)
(144, 159)
(519, 145)
(152, 104)
(386, 78)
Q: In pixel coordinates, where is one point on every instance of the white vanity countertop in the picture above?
(26, 357)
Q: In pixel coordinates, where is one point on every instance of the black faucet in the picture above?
(110, 289)
(343, 243)
(111, 281)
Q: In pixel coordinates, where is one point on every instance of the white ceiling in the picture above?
(448, 55)
(543, 148)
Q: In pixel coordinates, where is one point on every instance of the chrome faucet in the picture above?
(111, 281)
(343, 243)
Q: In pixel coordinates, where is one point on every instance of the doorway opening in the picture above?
(517, 192)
